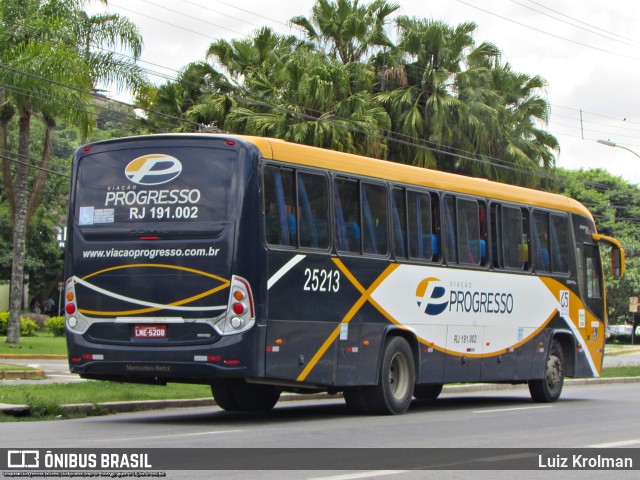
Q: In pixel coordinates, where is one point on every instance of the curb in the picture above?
(29, 356)
(22, 374)
(143, 405)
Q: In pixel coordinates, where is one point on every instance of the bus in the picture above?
(259, 266)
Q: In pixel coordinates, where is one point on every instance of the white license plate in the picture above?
(150, 331)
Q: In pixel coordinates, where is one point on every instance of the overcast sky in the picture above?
(587, 50)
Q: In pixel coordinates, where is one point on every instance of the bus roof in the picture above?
(293, 153)
(276, 149)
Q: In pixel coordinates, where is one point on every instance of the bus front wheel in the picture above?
(548, 389)
(397, 378)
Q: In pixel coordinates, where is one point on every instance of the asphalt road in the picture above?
(603, 416)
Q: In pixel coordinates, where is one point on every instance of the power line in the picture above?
(573, 23)
(583, 23)
(548, 33)
(12, 158)
(244, 35)
(491, 161)
(178, 26)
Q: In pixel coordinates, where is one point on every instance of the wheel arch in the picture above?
(567, 342)
(409, 336)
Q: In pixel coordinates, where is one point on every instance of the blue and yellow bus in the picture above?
(259, 266)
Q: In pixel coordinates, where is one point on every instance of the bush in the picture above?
(39, 318)
(28, 327)
(4, 320)
(55, 326)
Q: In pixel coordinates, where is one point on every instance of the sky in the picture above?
(588, 51)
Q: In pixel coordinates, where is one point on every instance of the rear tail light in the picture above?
(75, 321)
(240, 315)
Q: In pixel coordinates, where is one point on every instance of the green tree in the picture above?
(49, 68)
(615, 205)
(347, 29)
(441, 88)
(420, 94)
(167, 105)
(277, 87)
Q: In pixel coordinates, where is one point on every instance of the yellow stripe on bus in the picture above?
(365, 296)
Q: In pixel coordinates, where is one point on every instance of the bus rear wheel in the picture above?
(356, 399)
(548, 389)
(245, 397)
(392, 395)
(427, 392)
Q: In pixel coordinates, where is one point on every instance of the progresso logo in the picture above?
(431, 296)
(153, 169)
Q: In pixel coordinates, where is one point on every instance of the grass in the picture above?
(43, 343)
(629, 371)
(46, 400)
(99, 392)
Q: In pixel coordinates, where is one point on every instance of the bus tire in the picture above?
(246, 397)
(392, 395)
(356, 399)
(427, 392)
(224, 395)
(548, 389)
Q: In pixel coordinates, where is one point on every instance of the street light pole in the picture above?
(609, 143)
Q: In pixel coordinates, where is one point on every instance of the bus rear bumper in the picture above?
(159, 373)
(204, 364)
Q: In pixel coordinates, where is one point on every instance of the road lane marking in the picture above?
(214, 432)
(622, 443)
(499, 410)
(353, 476)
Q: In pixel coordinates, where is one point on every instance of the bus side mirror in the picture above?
(617, 262)
(617, 253)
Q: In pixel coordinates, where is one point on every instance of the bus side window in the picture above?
(374, 219)
(448, 230)
(590, 275)
(513, 239)
(559, 237)
(541, 255)
(280, 206)
(399, 222)
(423, 243)
(313, 210)
(347, 215)
(470, 245)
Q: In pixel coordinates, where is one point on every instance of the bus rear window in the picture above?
(162, 186)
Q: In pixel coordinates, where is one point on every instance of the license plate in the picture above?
(150, 331)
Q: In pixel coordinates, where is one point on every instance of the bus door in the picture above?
(591, 315)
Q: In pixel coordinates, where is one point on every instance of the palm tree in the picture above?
(48, 71)
(292, 92)
(455, 97)
(421, 92)
(346, 28)
(168, 104)
(525, 143)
